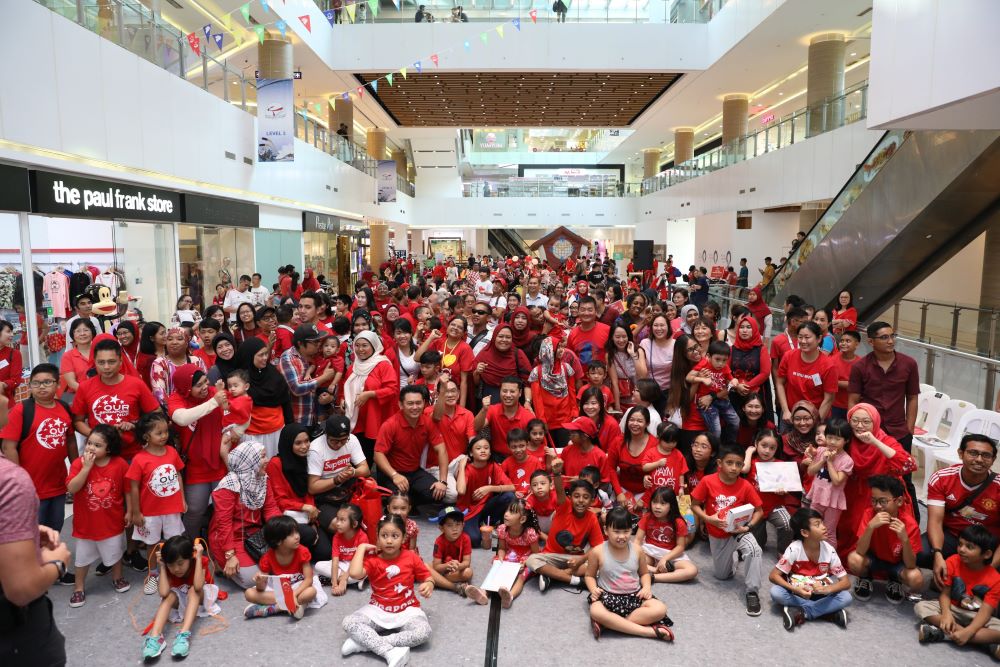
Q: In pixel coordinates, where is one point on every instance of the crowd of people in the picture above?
(594, 428)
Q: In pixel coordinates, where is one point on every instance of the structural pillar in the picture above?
(650, 162)
(825, 81)
(275, 59)
(376, 143)
(341, 112)
(399, 155)
(417, 241)
(683, 144)
(380, 243)
(734, 117)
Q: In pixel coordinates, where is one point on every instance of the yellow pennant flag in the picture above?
(403, 72)
(333, 102)
(351, 9)
(500, 31)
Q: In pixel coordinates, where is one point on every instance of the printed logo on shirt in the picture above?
(110, 410)
(163, 481)
(51, 433)
(101, 494)
(332, 466)
(392, 571)
(664, 476)
(663, 534)
(722, 502)
(815, 378)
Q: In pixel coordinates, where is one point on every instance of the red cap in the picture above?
(583, 424)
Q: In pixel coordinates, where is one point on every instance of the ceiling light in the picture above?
(854, 54)
(780, 94)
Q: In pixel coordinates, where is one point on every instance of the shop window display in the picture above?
(211, 256)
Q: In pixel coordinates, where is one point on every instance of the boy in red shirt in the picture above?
(843, 359)
(520, 465)
(451, 568)
(888, 543)
(715, 379)
(236, 419)
(710, 501)
(963, 612)
(583, 450)
(597, 373)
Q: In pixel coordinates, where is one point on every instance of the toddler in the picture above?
(662, 535)
(715, 379)
(400, 505)
(451, 567)
(542, 501)
(831, 465)
(664, 465)
(287, 561)
(763, 450)
(236, 419)
(517, 538)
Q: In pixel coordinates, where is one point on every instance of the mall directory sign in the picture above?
(80, 197)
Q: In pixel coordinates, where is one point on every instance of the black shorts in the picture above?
(622, 604)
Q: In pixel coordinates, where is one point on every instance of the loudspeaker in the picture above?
(642, 255)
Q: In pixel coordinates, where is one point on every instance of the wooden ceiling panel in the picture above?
(519, 99)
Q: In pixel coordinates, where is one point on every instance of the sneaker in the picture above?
(182, 645)
(753, 604)
(863, 589)
(121, 585)
(476, 594)
(300, 611)
(324, 580)
(543, 583)
(260, 610)
(78, 599)
(68, 579)
(362, 583)
(153, 647)
(102, 569)
(894, 592)
(792, 616)
(150, 585)
(136, 561)
(839, 618)
(928, 634)
(397, 656)
(350, 647)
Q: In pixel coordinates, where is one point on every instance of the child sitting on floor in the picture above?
(288, 560)
(483, 490)
(451, 568)
(346, 541)
(517, 539)
(662, 536)
(400, 505)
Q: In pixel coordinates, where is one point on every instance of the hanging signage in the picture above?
(297, 75)
(319, 222)
(76, 196)
(275, 120)
(14, 189)
(385, 178)
(203, 210)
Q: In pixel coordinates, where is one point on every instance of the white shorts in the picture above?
(109, 551)
(325, 568)
(159, 528)
(657, 553)
(209, 602)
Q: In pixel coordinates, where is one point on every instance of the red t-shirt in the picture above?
(392, 580)
(720, 378)
(269, 562)
(43, 451)
(188, 579)
(159, 482)
(446, 551)
(609, 398)
(238, 412)
(572, 534)
(113, 404)
(663, 534)
(404, 445)
(282, 340)
(946, 489)
(99, 507)
(843, 373)
(575, 460)
(807, 382)
(590, 345)
(984, 576)
(455, 357)
(625, 470)
(665, 475)
(500, 425)
(782, 343)
(456, 430)
(715, 495)
(542, 507)
(885, 544)
(490, 475)
(344, 548)
(519, 472)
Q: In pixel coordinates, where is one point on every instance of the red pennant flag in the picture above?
(305, 21)
(534, 15)
(195, 43)
(361, 92)
(434, 59)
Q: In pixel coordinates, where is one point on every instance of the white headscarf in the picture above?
(355, 384)
(244, 476)
(683, 317)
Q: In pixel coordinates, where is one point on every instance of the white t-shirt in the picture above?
(540, 300)
(326, 463)
(233, 300)
(260, 295)
(484, 290)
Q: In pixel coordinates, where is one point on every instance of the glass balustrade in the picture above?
(585, 186)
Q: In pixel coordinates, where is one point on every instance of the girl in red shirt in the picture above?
(540, 442)
(483, 489)
(661, 535)
(288, 559)
(346, 541)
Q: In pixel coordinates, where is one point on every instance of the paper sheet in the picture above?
(501, 575)
(778, 476)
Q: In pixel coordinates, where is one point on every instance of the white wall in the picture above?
(965, 269)
(677, 235)
(716, 235)
(934, 65)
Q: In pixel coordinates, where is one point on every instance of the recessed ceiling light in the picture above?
(780, 94)
(854, 54)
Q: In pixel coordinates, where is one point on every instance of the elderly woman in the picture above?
(272, 402)
(242, 506)
(161, 372)
(371, 390)
(76, 360)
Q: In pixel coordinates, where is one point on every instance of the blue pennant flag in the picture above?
(417, 67)
(375, 86)
(207, 29)
(282, 27)
(517, 24)
(346, 96)
(263, 3)
(330, 16)
(218, 39)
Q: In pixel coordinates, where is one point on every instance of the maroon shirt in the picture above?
(887, 390)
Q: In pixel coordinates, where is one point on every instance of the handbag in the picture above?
(253, 543)
(368, 497)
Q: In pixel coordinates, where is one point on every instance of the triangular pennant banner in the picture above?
(534, 15)
(361, 93)
(434, 59)
(485, 37)
(346, 96)
(373, 5)
(330, 16)
(402, 70)
(517, 24)
(306, 22)
(500, 31)
(282, 28)
(263, 4)
(207, 29)
(396, 2)
(333, 102)
(259, 29)
(318, 107)
(194, 43)
(417, 67)
(375, 86)
(468, 47)
(218, 39)
(351, 10)
(388, 77)
(245, 10)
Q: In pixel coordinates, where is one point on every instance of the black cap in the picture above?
(337, 426)
(308, 332)
(449, 512)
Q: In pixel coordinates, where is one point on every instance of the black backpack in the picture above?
(28, 419)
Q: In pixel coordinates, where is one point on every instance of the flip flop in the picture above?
(663, 632)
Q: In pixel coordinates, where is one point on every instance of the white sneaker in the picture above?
(362, 583)
(398, 656)
(300, 611)
(150, 585)
(349, 647)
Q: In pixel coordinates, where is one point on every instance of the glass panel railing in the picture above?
(565, 11)
(590, 186)
(953, 325)
(797, 126)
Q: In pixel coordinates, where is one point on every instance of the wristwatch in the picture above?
(935, 550)
(61, 566)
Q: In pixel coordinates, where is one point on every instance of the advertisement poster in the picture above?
(275, 120)
(385, 177)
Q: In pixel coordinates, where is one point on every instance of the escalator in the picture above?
(917, 199)
(503, 242)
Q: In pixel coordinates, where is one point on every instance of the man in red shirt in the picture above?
(787, 339)
(456, 425)
(888, 543)
(589, 338)
(503, 418)
(401, 444)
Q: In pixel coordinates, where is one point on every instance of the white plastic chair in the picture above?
(927, 389)
(930, 409)
(941, 437)
(985, 422)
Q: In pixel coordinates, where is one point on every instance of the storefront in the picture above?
(335, 248)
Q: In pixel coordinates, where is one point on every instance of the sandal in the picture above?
(663, 632)
(595, 627)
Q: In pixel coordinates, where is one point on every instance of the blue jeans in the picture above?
(492, 514)
(721, 410)
(812, 608)
(52, 512)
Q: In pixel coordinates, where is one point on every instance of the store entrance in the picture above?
(212, 259)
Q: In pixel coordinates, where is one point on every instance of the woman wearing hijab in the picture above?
(500, 359)
(371, 391)
(874, 452)
(242, 506)
(684, 323)
(288, 484)
(224, 346)
(751, 365)
(309, 283)
(127, 334)
(161, 373)
(802, 434)
(551, 398)
(759, 309)
(524, 337)
(194, 407)
(272, 402)
(152, 345)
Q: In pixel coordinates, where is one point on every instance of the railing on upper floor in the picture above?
(835, 112)
(596, 186)
(577, 11)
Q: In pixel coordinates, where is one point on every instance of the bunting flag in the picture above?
(333, 103)
(207, 29)
(318, 107)
(351, 10)
(434, 59)
(402, 70)
(227, 22)
(330, 16)
(305, 21)
(396, 2)
(534, 15)
(260, 30)
(194, 43)
(218, 40)
(263, 4)
(500, 31)
(517, 24)
(282, 27)
(245, 10)
(388, 77)
(417, 67)
(373, 5)
(346, 96)
(361, 93)
(485, 37)
(468, 47)
(374, 85)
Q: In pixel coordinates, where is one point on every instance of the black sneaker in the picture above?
(102, 569)
(543, 583)
(839, 618)
(324, 580)
(928, 634)
(894, 592)
(753, 604)
(863, 589)
(792, 616)
(136, 561)
(68, 579)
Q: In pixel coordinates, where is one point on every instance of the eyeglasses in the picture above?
(881, 502)
(861, 422)
(480, 312)
(885, 338)
(976, 454)
(35, 384)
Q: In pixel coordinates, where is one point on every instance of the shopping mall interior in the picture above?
(163, 148)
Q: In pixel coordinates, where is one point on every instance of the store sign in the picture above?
(764, 120)
(202, 210)
(14, 189)
(59, 194)
(319, 222)
(385, 179)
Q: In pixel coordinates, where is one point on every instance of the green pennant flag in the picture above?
(245, 10)
(374, 7)
(260, 30)
(318, 107)
(388, 77)
(485, 37)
